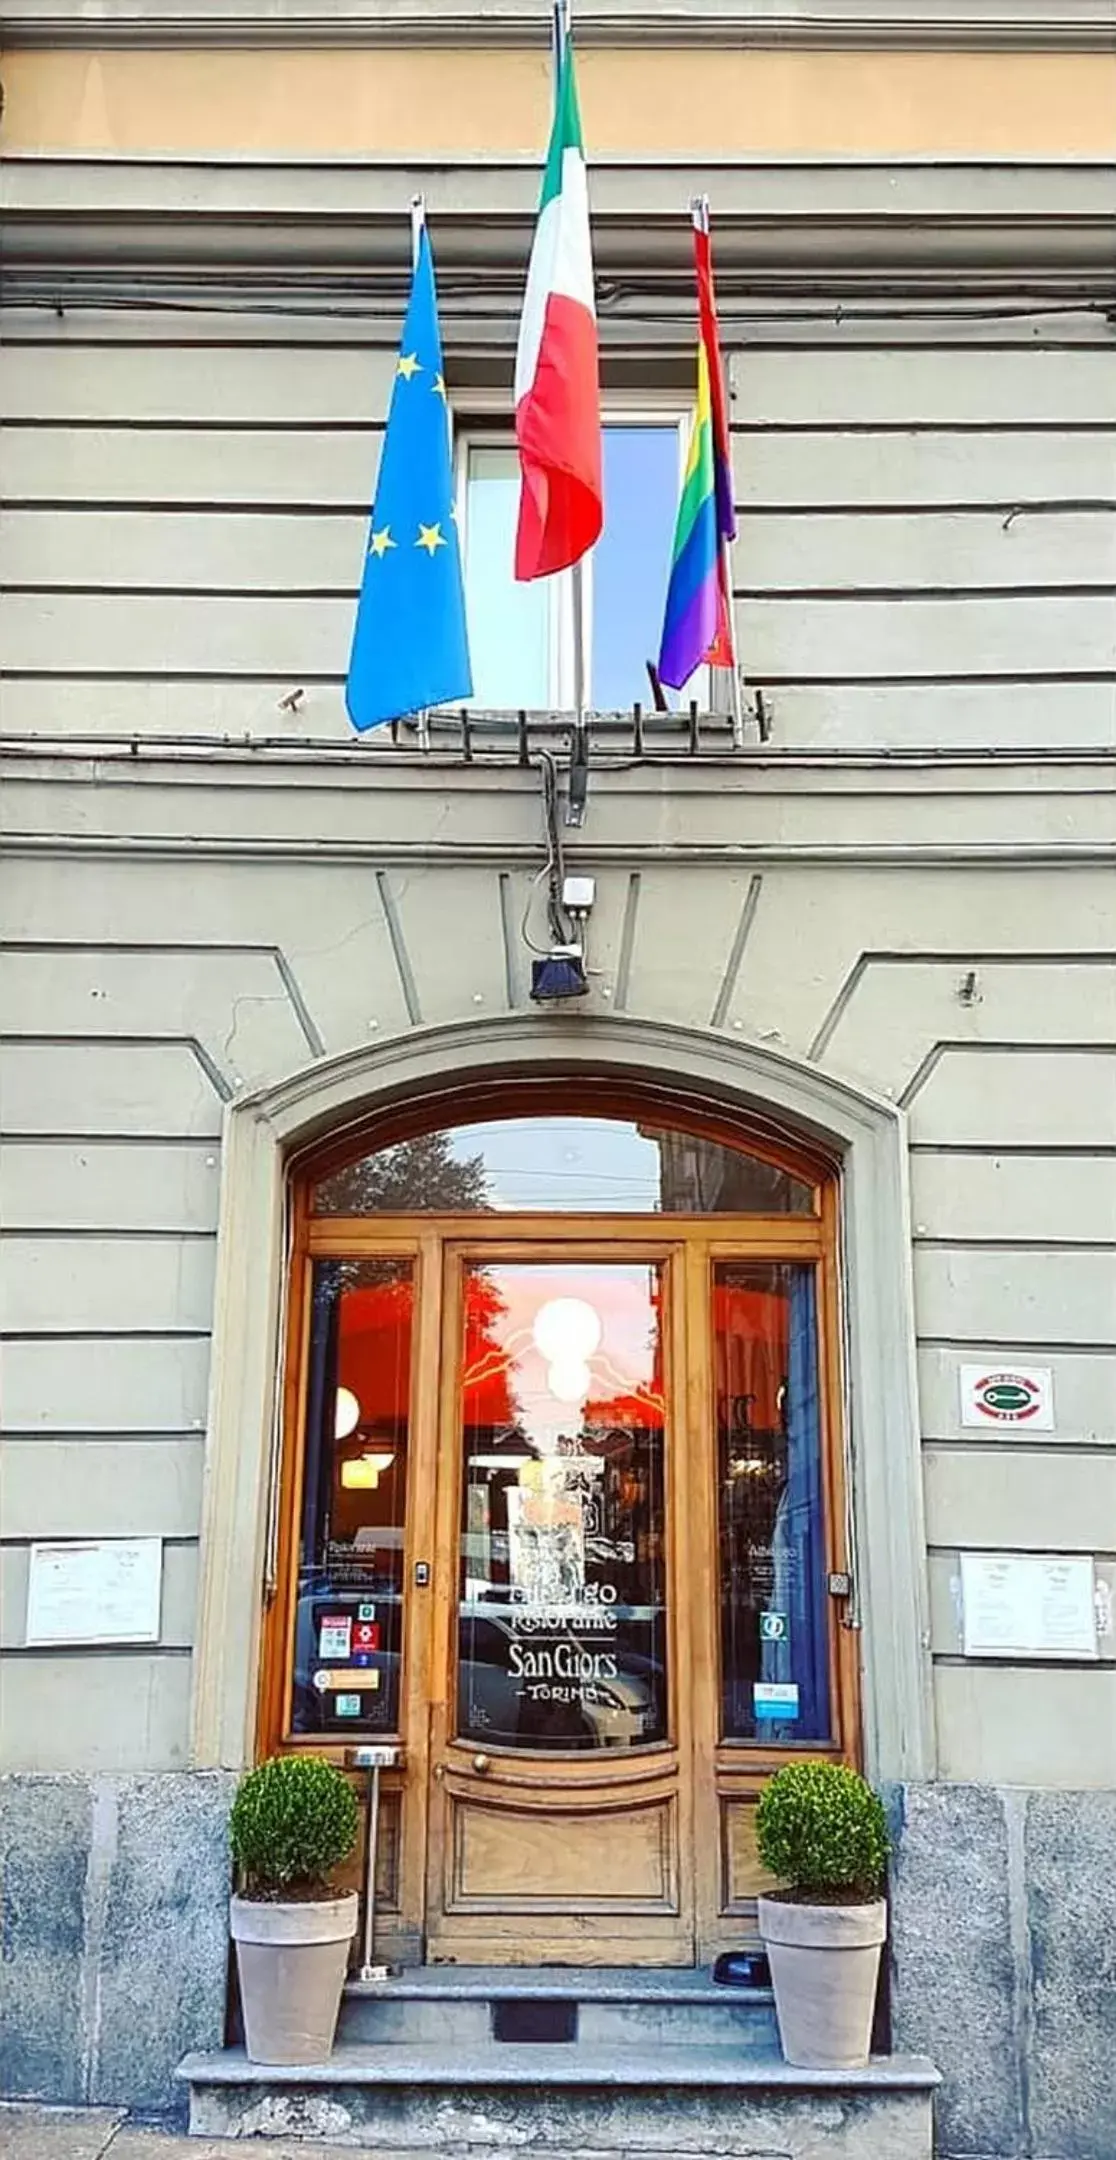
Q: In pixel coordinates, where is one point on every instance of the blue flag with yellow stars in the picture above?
(410, 644)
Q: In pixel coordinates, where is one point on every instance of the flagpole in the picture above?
(418, 220)
(560, 31)
(699, 213)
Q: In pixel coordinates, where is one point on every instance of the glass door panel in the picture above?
(562, 1621)
(773, 1596)
(349, 1612)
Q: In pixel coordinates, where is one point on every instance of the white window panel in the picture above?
(522, 636)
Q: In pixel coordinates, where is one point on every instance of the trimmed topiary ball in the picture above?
(822, 1830)
(294, 1819)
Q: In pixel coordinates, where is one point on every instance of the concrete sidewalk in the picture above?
(61, 2133)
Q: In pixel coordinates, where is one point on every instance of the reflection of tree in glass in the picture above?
(490, 1401)
(414, 1177)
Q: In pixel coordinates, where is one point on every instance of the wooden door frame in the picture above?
(736, 1770)
(538, 1779)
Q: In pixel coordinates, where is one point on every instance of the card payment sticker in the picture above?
(336, 1635)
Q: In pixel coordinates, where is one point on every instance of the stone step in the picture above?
(468, 2006)
(489, 2101)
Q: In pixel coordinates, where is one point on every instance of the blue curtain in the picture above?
(798, 1543)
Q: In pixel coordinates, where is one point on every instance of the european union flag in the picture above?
(410, 645)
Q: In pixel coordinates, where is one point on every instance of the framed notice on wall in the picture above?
(95, 1590)
(1029, 1605)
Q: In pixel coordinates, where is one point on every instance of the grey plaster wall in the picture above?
(1003, 1965)
(113, 1933)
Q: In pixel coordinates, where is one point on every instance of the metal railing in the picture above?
(516, 736)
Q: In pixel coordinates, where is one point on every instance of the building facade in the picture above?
(827, 1154)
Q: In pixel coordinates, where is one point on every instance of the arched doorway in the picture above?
(562, 1508)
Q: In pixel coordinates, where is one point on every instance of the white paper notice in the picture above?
(96, 1590)
(1028, 1605)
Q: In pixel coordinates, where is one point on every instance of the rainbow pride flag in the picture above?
(697, 626)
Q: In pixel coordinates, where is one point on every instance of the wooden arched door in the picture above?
(562, 1511)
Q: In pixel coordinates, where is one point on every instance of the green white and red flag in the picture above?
(557, 390)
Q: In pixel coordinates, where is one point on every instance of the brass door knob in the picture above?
(481, 1764)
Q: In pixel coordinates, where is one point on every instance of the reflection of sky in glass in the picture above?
(628, 573)
(507, 621)
(631, 562)
(564, 1163)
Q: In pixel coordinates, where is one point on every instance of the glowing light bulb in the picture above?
(346, 1413)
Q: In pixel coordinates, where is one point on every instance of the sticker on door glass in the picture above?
(335, 1636)
(346, 1706)
(773, 1627)
(775, 1699)
(366, 1636)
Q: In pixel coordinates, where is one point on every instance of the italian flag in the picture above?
(557, 396)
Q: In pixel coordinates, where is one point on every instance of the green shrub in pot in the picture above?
(294, 1820)
(821, 1830)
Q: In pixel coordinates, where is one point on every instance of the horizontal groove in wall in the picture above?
(1026, 1664)
(171, 1544)
(740, 345)
(772, 594)
(762, 596)
(186, 424)
(75, 1233)
(940, 1243)
(1007, 1440)
(1105, 1554)
(103, 1335)
(372, 426)
(31, 1137)
(1024, 1150)
(72, 1652)
(69, 1434)
(207, 506)
(1023, 1346)
(825, 430)
(755, 680)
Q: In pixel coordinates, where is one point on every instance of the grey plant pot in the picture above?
(825, 1961)
(292, 1960)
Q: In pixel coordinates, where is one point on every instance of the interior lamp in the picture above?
(346, 1413)
(362, 1473)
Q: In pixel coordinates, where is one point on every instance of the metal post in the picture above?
(373, 1759)
(368, 1971)
(577, 574)
(737, 705)
(575, 800)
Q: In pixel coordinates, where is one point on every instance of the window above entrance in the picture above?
(562, 1164)
(522, 636)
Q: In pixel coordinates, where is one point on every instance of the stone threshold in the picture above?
(513, 2063)
(552, 1983)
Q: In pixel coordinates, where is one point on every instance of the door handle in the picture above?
(482, 1764)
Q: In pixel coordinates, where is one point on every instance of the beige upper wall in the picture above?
(650, 103)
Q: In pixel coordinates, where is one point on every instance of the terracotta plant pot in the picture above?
(292, 1960)
(825, 1961)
